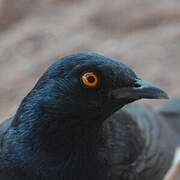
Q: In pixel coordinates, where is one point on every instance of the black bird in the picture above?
(69, 127)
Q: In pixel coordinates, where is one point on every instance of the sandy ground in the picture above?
(33, 33)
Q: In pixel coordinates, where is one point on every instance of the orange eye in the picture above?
(90, 79)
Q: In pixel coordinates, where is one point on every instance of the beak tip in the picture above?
(164, 96)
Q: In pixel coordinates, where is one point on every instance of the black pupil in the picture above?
(91, 79)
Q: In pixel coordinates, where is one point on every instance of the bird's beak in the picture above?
(141, 90)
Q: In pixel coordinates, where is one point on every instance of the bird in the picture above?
(74, 125)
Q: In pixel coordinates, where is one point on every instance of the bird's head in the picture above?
(90, 86)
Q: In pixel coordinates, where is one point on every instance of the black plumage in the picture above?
(71, 126)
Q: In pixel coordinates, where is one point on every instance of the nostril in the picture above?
(137, 85)
(133, 85)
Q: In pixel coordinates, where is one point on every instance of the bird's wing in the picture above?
(142, 141)
(171, 113)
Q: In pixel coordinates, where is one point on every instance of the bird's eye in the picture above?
(89, 79)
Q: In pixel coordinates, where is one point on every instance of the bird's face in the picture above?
(89, 85)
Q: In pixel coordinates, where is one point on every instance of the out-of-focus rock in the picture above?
(174, 171)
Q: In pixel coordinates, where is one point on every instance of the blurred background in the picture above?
(33, 33)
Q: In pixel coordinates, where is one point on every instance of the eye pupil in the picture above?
(91, 79)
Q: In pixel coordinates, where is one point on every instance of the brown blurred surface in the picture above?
(33, 33)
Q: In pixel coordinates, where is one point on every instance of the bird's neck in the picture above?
(56, 138)
(55, 132)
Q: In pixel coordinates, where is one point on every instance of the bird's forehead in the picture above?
(90, 61)
(93, 60)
